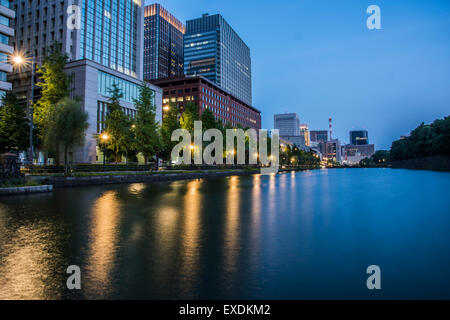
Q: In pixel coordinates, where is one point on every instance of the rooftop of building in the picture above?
(152, 9)
(175, 79)
(207, 15)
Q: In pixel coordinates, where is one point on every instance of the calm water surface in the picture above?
(291, 236)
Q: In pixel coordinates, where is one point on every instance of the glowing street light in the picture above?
(104, 138)
(20, 62)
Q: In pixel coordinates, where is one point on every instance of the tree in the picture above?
(189, 116)
(170, 124)
(118, 125)
(424, 141)
(55, 84)
(66, 126)
(14, 125)
(146, 130)
(208, 120)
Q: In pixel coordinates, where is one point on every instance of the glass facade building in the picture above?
(359, 137)
(109, 33)
(163, 43)
(214, 50)
(6, 17)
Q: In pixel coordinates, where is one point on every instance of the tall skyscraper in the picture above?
(7, 15)
(163, 43)
(104, 47)
(359, 137)
(214, 50)
(110, 32)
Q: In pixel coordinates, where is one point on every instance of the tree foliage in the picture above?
(424, 141)
(118, 125)
(170, 124)
(54, 84)
(146, 128)
(381, 157)
(14, 125)
(66, 126)
(296, 156)
(189, 116)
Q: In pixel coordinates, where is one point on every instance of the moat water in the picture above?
(297, 235)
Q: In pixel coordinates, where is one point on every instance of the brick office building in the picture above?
(207, 95)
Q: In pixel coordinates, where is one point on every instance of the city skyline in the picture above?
(384, 81)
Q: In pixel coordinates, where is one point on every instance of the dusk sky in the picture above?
(317, 58)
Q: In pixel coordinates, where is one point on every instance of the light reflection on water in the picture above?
(293, 235)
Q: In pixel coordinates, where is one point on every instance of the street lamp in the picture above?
(20, 62)
(104, 138)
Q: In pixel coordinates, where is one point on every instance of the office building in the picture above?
(288, 124)
(331, 150)
(304, 130)
(106, 48)
(353, 154)
(207, 95)
(318, 136)
(359, 137)
(7, 16)
(163, 43)
(110, 33)
(214, 50)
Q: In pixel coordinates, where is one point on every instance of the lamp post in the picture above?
(105, 138)
(19, 61)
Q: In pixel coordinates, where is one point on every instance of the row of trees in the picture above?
(424, 141)
(295, 156)
(381, 157)
(60, 123)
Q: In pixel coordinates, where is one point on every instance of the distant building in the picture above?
(359, 137)
(353, 154)
(7, 16)
(304, 130)
(318, 136)
(332, 150)
(163, 43)
(299, 141)
(207, 95)
(214, 50)
(288, 124)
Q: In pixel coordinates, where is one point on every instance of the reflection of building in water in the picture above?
(232, 224)
(31, 260)
(103, 244)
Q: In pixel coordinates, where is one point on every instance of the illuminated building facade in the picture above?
(207, 95)
(163, 43)
(360, 137)
(214, 50)
(304, 130)
(105, 49)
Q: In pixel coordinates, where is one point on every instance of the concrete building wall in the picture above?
(85, 86)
